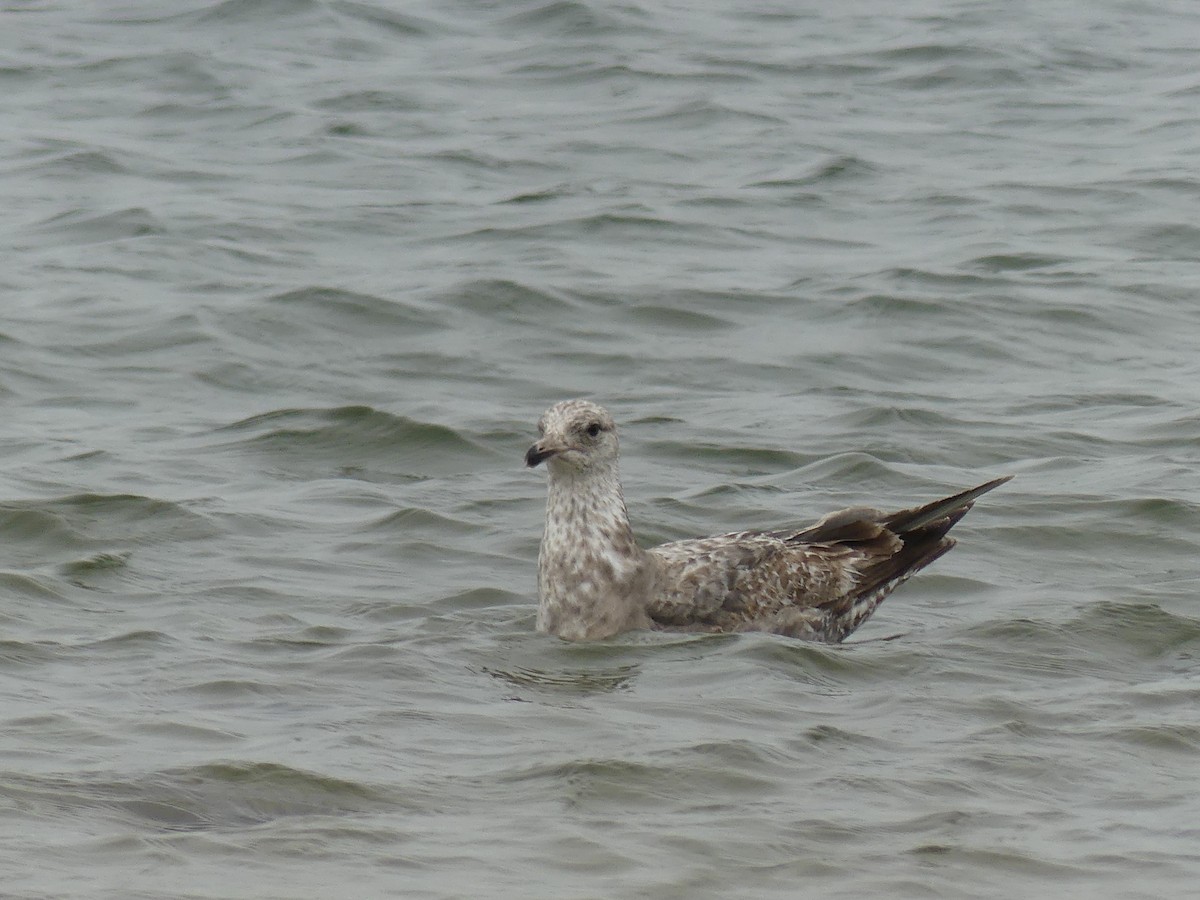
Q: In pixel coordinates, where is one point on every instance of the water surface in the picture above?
(288, 283)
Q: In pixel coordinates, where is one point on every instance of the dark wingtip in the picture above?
(910, 519)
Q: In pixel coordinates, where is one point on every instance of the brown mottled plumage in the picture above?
(818, 583)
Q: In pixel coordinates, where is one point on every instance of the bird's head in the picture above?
(574, 436)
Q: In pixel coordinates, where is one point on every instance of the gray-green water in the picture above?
(286, 284)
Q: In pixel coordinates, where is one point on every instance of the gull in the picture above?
(817, 583)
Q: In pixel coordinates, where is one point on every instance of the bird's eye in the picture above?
(594, 429)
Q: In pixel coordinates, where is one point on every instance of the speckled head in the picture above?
(574, 436)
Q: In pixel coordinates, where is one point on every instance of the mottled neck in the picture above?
(591, 506)
(592, 576)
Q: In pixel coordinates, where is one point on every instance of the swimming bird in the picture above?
(817, 583)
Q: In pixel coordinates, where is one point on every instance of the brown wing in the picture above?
(820, 583)
(747, 581)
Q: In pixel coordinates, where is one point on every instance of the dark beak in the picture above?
(536, 454)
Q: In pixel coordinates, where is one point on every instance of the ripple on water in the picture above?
(949, 237)
(338, 311)
(504, 300)
(342, 440)
(237, 12)
(84, 227)
(599, 785)
(101, 526)
(208, 796)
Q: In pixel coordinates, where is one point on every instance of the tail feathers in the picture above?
(911, 519)
(858, 605)
(922, 533)
(918, 552)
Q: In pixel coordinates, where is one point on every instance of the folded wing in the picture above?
(820, 582)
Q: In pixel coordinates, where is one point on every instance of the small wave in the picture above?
(1101, 639)
(597, 71)
(502, 299)
(86, 163)
(214, 795)
(370, 101)
(666, 317)
(884, 419)
(750, 460)
(407, 520)
(543, 195)
(84, 227)
(1174, 242)
(836, 168)
(129, 346)
(353, 441)
(339, 311)
(136, 638)
(934, 52)
(701, 114)
(225, 690)
(1141, 628)
(395, 23)
(84, 570)
(616, 226)
(32, 587)
(569, 18)
(957, 76)
(729, 769)
(896, 308)
(17, 654)
(272, 13)
(44, 529)
(831, 666)
(1017, 262)
(586, 681)
(857, 468)
(1174, 737)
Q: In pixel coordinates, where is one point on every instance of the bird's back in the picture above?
(818, 583)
